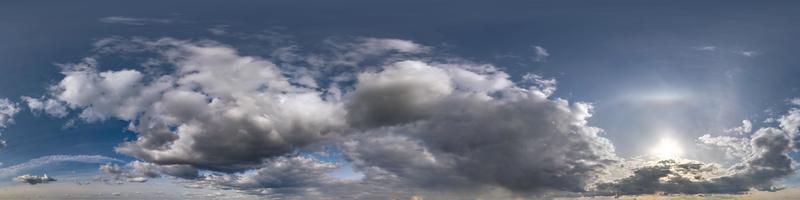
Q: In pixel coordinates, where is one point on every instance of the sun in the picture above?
(666, 148)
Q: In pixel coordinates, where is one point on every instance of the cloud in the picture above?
(214, 99)
(49, 106)
(46, 160)
(138, 171)
(277, 173)
(7, 111)
(33, 180)
(409, 125)
(458, 137)
(540, 54)
(134, 20)
(765, 161)
(350, 52)
(749, 53)
(705, 48)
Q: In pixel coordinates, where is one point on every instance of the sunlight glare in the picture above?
(667, 148)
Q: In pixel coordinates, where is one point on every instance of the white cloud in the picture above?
(705, 48)
(7, 111)
(745, 128)
(49, 106)
(749, 53)
(540, 54)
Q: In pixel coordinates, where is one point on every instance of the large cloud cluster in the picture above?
(215, 109)
(407, 124)
(452, 124)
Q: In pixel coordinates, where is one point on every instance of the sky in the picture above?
(398, 99)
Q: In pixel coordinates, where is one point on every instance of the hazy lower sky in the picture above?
(377, 99)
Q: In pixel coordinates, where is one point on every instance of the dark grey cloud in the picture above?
(442, 133)
(138, 171)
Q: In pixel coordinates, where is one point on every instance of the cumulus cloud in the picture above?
(138, 171)
(7, 111)
(134, 20)
(277, 173)
(411, 123)
(33, 180)
(449, 135)
(217, 110)
(51, 107)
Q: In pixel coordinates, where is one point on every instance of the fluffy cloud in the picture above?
(447, 135)
(277, 173)
(51, 107)
(216, 110)
(33, 180)
(138, 171)
(7, 111)
(415, 124)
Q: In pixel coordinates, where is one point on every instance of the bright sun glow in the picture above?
(667, 149)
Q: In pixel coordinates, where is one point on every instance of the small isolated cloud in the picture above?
(705, 48)
(33, 180)
(749, 53)
(134, 21)
(218, 30)
(541, 54)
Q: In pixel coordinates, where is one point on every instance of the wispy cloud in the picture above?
(47, 160)
(705, 48)
(541, 54)
(134, 20)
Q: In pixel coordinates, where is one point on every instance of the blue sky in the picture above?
(651, 70)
